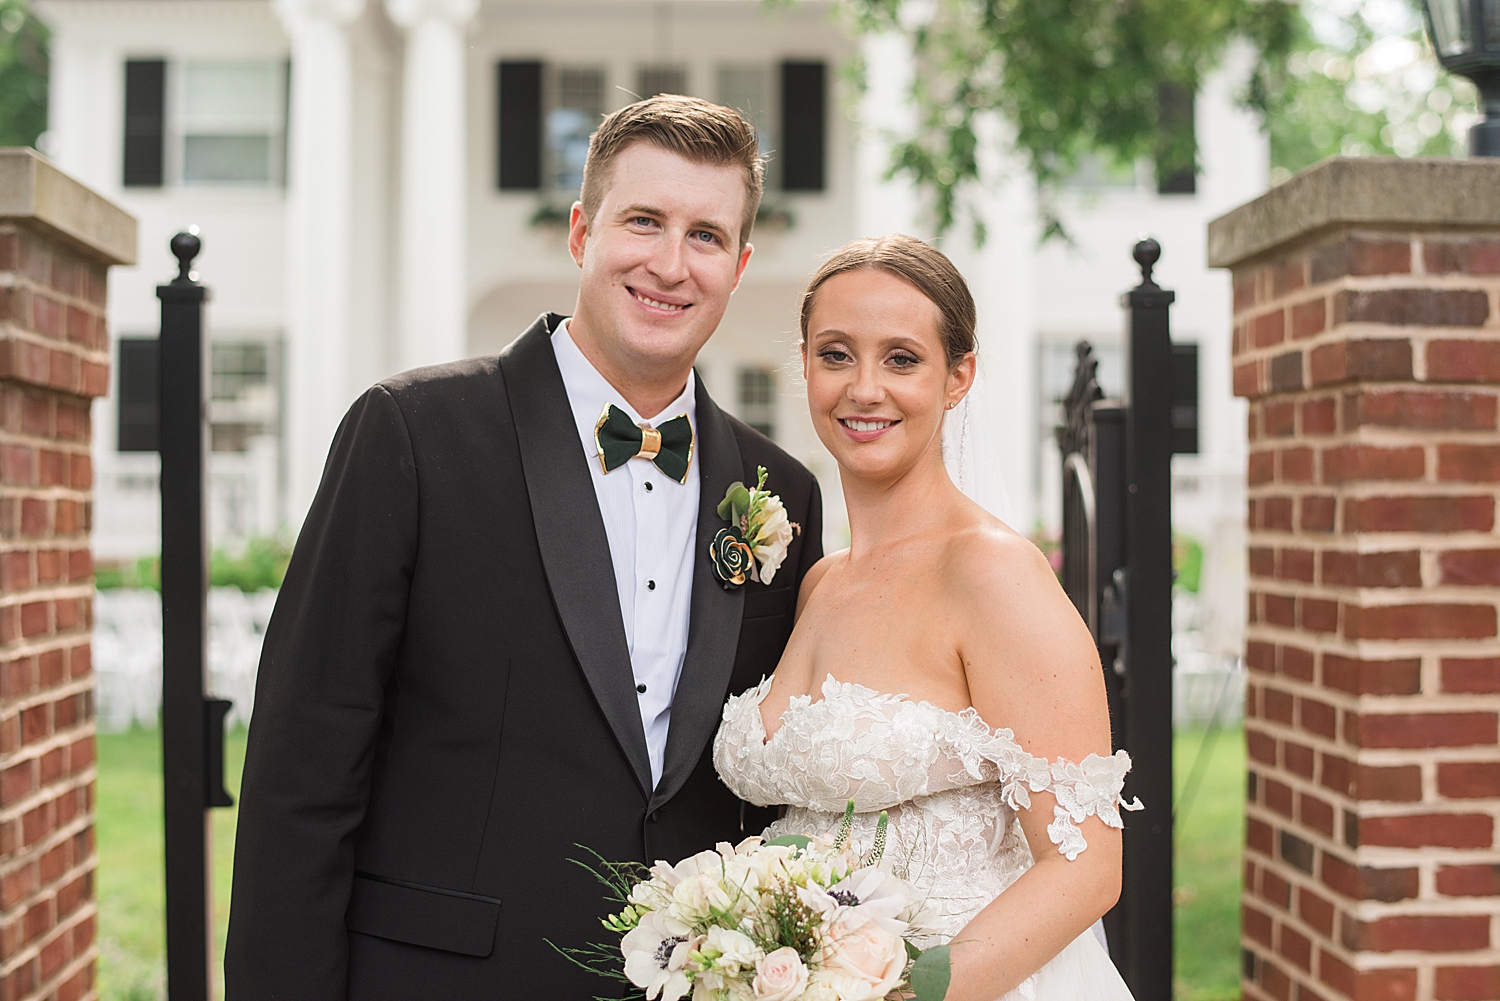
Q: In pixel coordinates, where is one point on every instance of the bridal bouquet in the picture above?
(789, 919)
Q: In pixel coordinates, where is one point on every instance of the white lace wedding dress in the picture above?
(951, 787)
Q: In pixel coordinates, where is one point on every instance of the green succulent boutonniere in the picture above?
(756, 541)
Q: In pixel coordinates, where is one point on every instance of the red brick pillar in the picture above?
(57, 239)
(1367, 340)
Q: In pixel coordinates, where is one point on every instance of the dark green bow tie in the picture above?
(669, 445)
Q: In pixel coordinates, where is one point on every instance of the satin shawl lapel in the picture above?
(714, 630)
(570, 534)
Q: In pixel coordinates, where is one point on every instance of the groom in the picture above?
(492, 645)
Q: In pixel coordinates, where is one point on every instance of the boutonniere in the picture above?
(758, 535)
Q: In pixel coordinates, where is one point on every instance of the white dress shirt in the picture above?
(652, 524)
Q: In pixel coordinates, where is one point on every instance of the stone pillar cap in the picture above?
(1376, 192)
(32, 190)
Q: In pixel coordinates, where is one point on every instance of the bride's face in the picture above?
(878, 377)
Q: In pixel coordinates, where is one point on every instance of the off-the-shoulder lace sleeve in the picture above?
(1091, 788)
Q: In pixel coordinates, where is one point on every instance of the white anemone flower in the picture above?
(868, 895)
(655, 958)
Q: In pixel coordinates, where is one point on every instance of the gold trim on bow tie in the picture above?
(650, 442)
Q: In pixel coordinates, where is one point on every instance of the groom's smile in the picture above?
(658, 303)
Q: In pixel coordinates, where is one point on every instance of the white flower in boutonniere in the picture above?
(759, 533)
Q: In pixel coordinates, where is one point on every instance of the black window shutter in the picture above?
(804, 99)
(145, 101)
(1184, 399)
(1176, 141)
(139, 406)
(520, 131)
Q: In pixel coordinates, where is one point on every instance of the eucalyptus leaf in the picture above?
(726, 506)
(930, 974)
(739, 498)
(797, 841)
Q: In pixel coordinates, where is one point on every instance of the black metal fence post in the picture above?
(1147, 894)
(191, 726)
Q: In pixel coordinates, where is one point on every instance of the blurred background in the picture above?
(381, 185)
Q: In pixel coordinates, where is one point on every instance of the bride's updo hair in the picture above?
(921, 266)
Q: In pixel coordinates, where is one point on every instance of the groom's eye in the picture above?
(704, 236)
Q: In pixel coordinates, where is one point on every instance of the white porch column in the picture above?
(319, 217)
(433, 275)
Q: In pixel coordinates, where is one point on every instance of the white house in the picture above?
(378, 182)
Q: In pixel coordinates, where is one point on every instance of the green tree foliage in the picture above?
(1362, 80)
(1071, 79)
(1068, 77)
(23, 75)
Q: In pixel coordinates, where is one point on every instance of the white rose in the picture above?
(820, 988)
(865, 962)
(736, 950)
(696, 898)
(712, 990)
(780, 976)
(775, 535)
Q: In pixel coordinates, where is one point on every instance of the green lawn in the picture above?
(130, 866)
(131, 935)
(1209, 839)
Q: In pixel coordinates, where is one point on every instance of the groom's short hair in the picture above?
(694, 129)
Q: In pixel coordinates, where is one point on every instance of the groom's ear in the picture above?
(739, 269)
(578, 233)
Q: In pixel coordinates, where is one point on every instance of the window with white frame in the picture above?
(576, 111)
(661, 79)
(232, 121)
(757, 399)
(747, 89)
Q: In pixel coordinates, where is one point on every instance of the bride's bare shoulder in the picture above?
(985, 552)
(815, 574)
(1007, 587)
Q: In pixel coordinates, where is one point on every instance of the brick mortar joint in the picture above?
(1420, 338)
(83, 728)
(31, 950)
(16, 279)
(21, 857)
(67, 446)
(10, 330)
(72, 783)
(88, 866)
(46, 644)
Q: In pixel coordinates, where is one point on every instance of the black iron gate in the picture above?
(192, 725)
(1117, 569)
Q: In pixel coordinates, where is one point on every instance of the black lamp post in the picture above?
(1466, 35)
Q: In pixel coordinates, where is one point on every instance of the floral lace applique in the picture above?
(884, 750)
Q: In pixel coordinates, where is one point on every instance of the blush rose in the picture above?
(780, 976)
(865, 962)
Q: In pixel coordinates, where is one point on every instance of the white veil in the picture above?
(972, 453)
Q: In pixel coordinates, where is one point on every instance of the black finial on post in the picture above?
(185, 247)
(1147, 252)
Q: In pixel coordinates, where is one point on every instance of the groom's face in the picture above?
(660, 258)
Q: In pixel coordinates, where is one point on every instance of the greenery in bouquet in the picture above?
(789, 919)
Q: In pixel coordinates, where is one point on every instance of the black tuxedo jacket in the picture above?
(446, 708)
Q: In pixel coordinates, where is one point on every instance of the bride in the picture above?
(937, 671)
